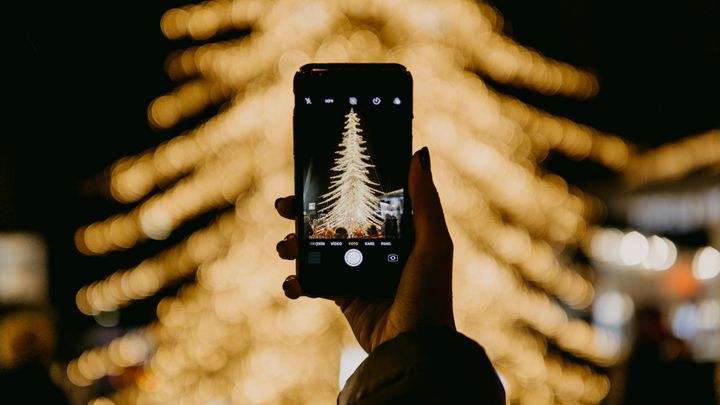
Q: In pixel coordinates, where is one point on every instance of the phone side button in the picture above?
(353, 257)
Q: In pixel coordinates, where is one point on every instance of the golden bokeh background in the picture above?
(229, 336)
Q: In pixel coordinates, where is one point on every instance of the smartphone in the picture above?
(352, 146)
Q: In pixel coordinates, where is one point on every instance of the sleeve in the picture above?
(435, 365)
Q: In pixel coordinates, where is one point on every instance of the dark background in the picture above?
(76, 81)
(77, 77)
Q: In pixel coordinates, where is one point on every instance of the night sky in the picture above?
(77, 78)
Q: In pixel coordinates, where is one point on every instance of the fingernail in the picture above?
(285, 284)
(424, 158)
(277, 247)
(277, 201)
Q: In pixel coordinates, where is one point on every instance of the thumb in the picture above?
(424, 295)
(431, 232)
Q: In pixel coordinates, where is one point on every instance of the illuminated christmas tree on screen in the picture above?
(352, 199)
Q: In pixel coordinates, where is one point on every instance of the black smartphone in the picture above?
(352, 145)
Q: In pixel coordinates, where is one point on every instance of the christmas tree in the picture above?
(515, 225)
(352, 198)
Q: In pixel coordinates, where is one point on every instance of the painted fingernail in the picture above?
(286, 284)
(277, 247)
(424, 158)
(277, 201)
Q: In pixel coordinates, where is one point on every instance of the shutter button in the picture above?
(353, 257)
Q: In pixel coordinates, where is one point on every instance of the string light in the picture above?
(150, 275)
(706, 263)
(514, 245)
(631, 250)
(128, 350)
(674, 160)
(212, 185)
(574, 140)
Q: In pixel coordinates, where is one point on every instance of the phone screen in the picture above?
(352, 153)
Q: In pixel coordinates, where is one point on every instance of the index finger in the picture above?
(284, 206)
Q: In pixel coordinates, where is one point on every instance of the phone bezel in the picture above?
(321, 79)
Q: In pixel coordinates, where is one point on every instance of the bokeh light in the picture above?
(229, 335)
(706, 264)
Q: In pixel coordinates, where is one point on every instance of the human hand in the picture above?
(424, 294)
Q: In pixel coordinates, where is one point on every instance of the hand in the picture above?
(424, 295)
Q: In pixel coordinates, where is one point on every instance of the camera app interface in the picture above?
(355, 155)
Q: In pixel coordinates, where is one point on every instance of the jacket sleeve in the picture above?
(435, 365)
